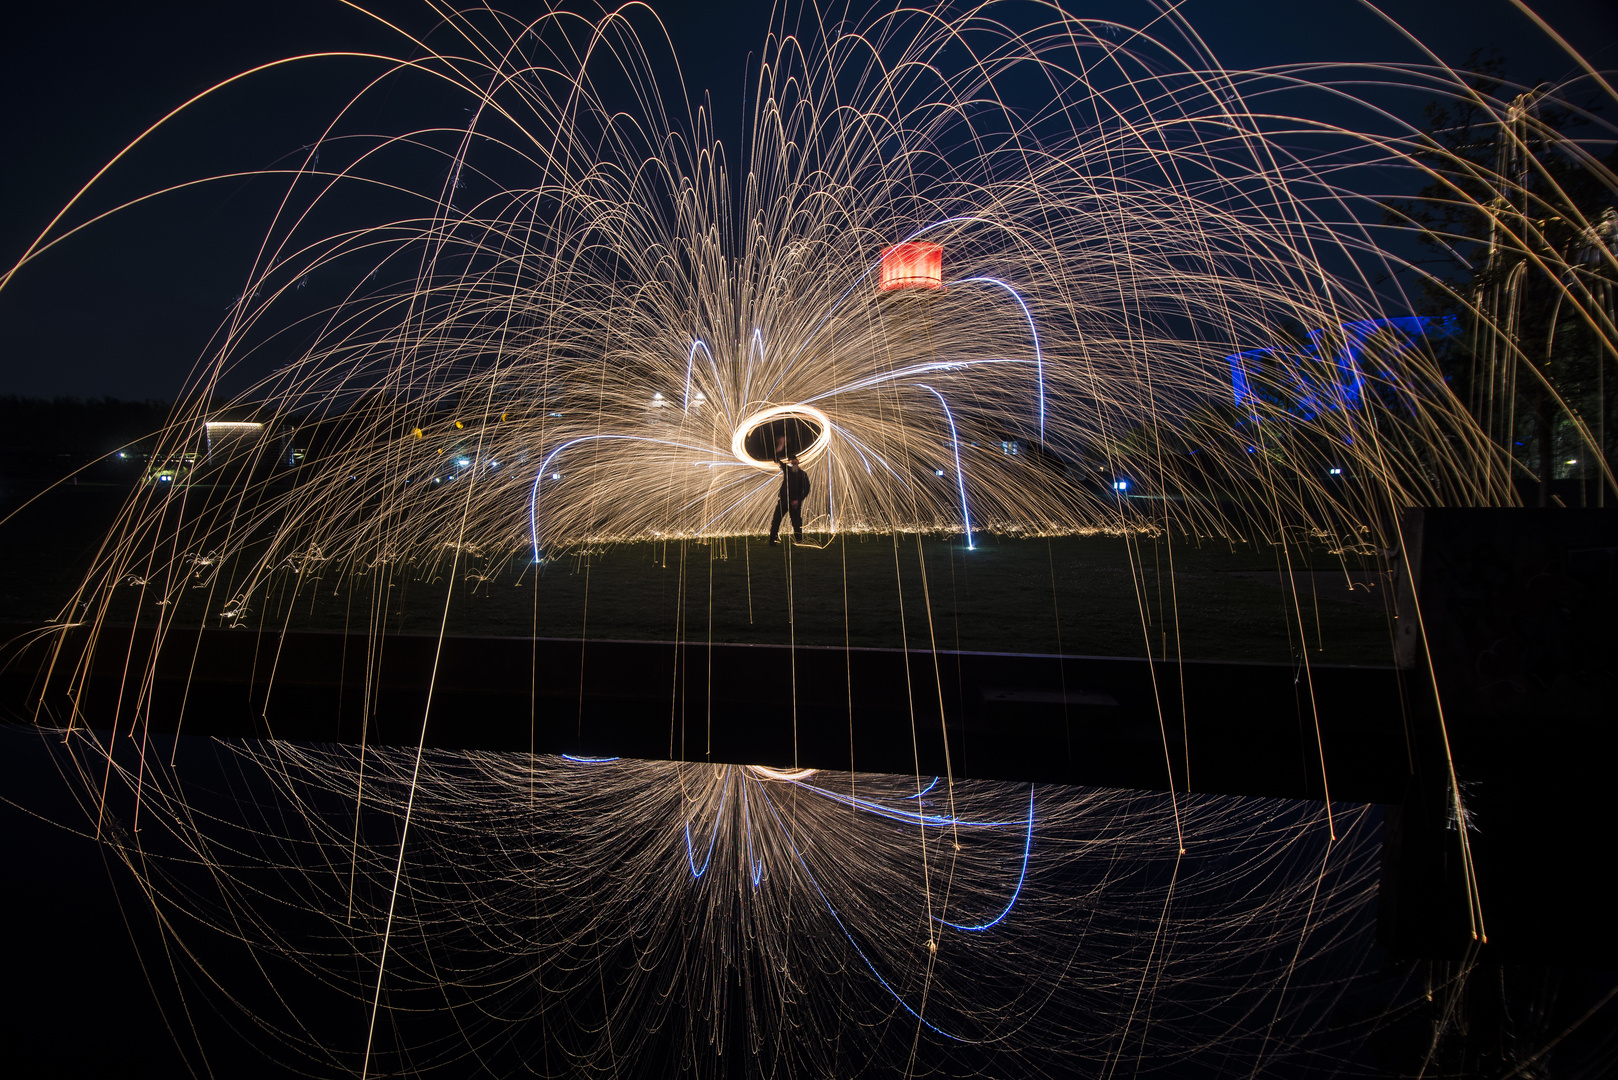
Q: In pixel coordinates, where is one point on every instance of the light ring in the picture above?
(738, 441)
(785, 775)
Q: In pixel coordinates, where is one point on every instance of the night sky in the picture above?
(126, 308)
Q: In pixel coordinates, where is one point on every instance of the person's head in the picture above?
(780, 442)
(793, 461)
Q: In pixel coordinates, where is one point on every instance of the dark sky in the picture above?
(126, 308)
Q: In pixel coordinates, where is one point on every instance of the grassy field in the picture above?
(1098, 595)
(48, 543)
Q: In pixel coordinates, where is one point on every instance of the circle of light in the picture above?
(738, 441)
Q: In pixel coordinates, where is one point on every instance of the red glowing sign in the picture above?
(915, 265)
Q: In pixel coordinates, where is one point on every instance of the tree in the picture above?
(1518, 224)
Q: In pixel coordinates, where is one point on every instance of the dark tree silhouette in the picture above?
(1518, 229)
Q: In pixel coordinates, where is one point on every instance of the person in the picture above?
(789, 500)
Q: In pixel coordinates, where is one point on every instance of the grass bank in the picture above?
(1098, 595)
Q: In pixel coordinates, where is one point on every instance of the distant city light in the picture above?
(223, 436)
(1120, 485)
(1336, 472)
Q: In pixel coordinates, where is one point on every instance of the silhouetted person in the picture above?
(789, 500)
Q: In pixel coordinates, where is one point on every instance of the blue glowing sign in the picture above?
(1330, 372)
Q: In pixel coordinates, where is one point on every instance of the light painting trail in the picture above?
(1061, 279)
